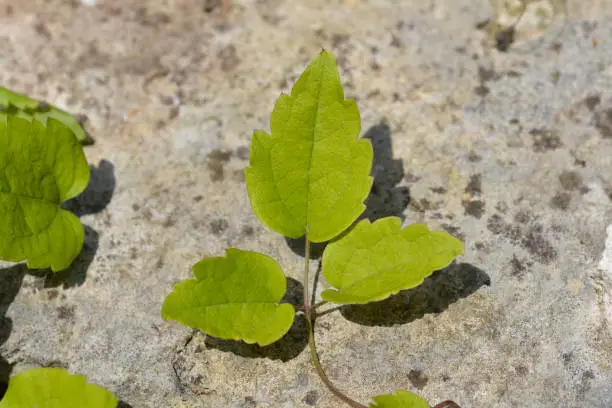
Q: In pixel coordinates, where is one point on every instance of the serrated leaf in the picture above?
(54, 388)
(312, 173)
(234, 297)
(41, 111)
(375, 260)
(401, 399)
(40, 168)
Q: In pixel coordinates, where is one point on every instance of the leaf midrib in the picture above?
(312, 149)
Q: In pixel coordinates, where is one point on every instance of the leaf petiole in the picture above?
(310, 319)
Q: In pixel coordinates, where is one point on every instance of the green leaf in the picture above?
(312, 173)
(401, 399)
(375, 260)
(41, 111)
(233, 297)
(40, 168)
(54, 388)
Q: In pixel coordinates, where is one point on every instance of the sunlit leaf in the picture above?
(233, 297)
(41, 166)
(375, 260)
(401, 399)
(54, 388)
(312, 173)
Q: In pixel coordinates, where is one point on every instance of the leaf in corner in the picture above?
(375, 260)
(312, 173)
(41, 166)
(54, 388)
(235, 297)
(401, 399)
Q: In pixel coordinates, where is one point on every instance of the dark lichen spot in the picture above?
(247, 230)
(339, 40)
(474, 157)
(592, 101)
(570, 180)
(311, 398)
(421, 205)
(530, 238)
(52, 294)
(216, 162)
(518, 269)
(482, 90)
(504, 39)
(65, 312)
(561, 200)
(418, 378)
(218, 226)
(228, 57)
(197, 198)
(544, 140)
(243, 153)
(475, 208)
(485, 74)
(249, 402)
(521, 370)
(556, 47)
(438, 190)
(603, 123)
(567, 358)
(474, 186)
(480, 246)
(534, 242)
(522, 217)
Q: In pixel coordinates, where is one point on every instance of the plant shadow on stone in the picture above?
(386, 198)
(285, 349)
(94, 199)
(434, 295)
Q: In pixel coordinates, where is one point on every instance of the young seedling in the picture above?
(54, 388)
(310, 177)
(43, 165)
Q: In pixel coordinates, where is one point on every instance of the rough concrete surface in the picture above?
(509, 150)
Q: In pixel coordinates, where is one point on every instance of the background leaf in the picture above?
(40, 168)
(42, 111)
(54, 388)
(312, 173)
(373, 261)
(233, 297)
(401, 399)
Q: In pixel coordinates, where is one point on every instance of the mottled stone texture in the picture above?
(508, 148)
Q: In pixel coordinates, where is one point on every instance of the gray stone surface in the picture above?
(511, 151)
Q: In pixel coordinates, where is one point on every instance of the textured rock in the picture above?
(510, 151)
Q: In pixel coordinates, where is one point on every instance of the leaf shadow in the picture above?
(386, 198)
(285, 349)
(10, 284)
(98, 193)
(76, 273)
(437, 292)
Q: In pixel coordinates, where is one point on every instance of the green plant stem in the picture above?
(311, 340)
